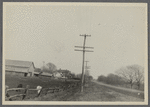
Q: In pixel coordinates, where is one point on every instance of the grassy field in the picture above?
(92, 91)
(13, 81)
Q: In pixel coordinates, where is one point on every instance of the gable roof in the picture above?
(18, 63)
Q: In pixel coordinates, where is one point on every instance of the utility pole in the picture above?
(43, 64)
(83, 47)
(86, 78)
(87, 67)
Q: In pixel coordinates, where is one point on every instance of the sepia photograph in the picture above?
(75, 53)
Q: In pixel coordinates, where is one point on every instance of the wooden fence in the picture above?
(46, 90)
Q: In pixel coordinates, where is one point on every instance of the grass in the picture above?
(92, 91)
(13, 81)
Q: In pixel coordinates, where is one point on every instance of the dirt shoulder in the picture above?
(96, 92)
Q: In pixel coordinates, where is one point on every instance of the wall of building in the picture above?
(19, 69)
(31, 70)
(13, 70)
(14, 73)
(45, 77)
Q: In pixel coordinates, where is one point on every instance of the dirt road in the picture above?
(126, 91)
(111, 86)
(101, 92)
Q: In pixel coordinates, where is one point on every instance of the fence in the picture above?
(39, 91)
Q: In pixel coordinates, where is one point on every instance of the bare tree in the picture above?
(139, 74)
(127, 74)
(131, 74)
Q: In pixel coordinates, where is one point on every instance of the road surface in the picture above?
(126, 91)
(121, 88)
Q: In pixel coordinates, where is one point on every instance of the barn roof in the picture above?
(18, 63)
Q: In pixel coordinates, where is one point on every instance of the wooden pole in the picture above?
(82, 77)
(6, 93)
(82, 81)
(25, 92)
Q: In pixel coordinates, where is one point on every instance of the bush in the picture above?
(102, 78)
(111, 79)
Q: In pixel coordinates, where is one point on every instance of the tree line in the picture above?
(132, 75)
(51, 68)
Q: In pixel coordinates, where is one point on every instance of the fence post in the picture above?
(6, 93)
(40, 92)
(68, 87)
(26, 92)
(46, 91)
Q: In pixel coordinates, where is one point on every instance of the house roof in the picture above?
(46, 74)
(18, 63)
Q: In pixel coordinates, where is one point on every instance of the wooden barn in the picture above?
(20, 68)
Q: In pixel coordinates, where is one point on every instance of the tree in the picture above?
(44, 69)
(131, 74)
(51, 67)
(111, 79)
(139, 74)
(101, 78)
(127, 74)
(114, 79)
(90, 77)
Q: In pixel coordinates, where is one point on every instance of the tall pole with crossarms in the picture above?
(83, 47)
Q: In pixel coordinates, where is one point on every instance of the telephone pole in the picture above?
(83, 47)
(86, 68)
(43, 64)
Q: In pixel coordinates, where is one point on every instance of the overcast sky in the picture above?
(48, 32)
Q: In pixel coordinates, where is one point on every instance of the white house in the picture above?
(58, 75)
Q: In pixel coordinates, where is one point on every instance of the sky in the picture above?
(49, 31)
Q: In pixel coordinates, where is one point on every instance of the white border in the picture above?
(73, 102)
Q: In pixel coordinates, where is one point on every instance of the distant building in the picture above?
(20, 68)
(58, 75)
(62, 73)
(37, 72)
(45, 74)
